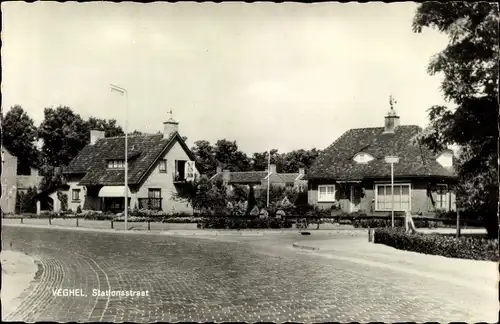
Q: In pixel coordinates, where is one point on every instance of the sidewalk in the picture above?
(478, 275)
(18, 270)
(168, 229)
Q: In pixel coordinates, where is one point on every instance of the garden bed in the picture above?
(467, 247)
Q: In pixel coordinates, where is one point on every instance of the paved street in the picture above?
(225, 279)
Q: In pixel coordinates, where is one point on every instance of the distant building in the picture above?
(12, 183)
(259, 179)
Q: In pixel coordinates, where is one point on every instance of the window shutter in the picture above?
(189, 170)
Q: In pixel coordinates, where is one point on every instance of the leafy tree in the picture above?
(109, 127)
(25, 202)
(64, 134)
(19, 135)
(294, 160)
(203, 195)
(205, 157)
(230, 157)
(470, 67)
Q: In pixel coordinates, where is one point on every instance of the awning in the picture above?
(113, 191)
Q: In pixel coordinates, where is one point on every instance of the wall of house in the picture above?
(24, 182)
(72, 182)
(420, 200)
(165, 182)
(9, 182)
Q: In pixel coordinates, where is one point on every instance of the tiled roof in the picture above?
(336, 162)
(243, 177)
(257, 177)
(143, 151)
(283, 177)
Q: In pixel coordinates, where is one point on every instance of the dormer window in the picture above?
(446, 160)
(116, 164)
(363, 158)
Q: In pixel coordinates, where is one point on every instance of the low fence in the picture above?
(308, 219)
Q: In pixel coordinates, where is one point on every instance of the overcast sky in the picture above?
(284, 76)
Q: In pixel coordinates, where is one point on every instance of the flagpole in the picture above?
(268, 175)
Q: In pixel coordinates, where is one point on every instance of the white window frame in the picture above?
(396, 184)
(446, 195)
(329, 198)
(162, 162)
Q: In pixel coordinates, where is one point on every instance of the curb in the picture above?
(155, 232)
(303, 247)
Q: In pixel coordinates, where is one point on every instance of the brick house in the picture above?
(157, 166)
(352, 172)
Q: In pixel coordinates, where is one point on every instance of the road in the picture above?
(218, 279)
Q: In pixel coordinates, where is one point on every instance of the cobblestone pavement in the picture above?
(222, 279)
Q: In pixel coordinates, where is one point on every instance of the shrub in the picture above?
(182, 220)
(242, 223)
(448, 246)
(398, 222)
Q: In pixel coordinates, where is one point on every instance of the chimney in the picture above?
(302, 171)
(226, 176)
(170, 126)
(272, 168)
(392, 118)
(95, 135)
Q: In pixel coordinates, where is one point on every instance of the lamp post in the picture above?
(268, 175)
(124, 92)
(391, 160)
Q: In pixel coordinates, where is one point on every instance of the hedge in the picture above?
(398, 222)
(464, 248)
(243, 223)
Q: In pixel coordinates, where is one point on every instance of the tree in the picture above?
(203, 195)
(19, 135)
(294, 160)
(25, 202)
(252, 201)
(109, 127)
(470, 67)
(230, 157)
(64, 134)
(205, 157)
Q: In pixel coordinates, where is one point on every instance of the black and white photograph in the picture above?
(250, 162)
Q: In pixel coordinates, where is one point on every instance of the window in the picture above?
(326, 193)
(363, 158)
(154, 193)
(75, 194)
(383, 197)
(116, 164)
(163, 166)
(442, 197)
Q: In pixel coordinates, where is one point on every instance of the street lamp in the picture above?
(268, 175)
(124, 92)
(391, 160)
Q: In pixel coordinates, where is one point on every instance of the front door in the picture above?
(355, 199)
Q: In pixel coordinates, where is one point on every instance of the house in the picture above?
(158, 165)
(259, 179)
(353, 173)
(9, 181)
(12, 182)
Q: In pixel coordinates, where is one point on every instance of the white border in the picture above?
(334, 192)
